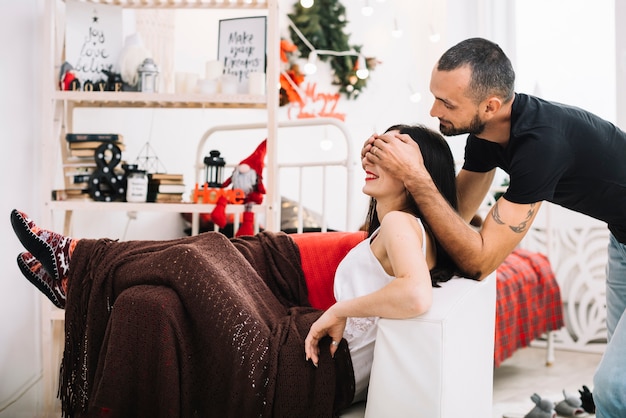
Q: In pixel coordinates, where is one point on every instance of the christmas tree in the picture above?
(323, 26)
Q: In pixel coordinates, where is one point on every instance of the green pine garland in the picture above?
(323, 26)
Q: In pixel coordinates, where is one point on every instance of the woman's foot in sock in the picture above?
(52, 249)
(33, 270)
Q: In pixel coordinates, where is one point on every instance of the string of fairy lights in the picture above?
(367, 9)
(310, 67)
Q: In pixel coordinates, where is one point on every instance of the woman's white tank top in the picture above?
(358, 274)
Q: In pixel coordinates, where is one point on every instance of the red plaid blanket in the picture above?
(528, 302)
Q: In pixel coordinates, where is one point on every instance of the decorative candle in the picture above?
(180, 83)
(229, 84)
(256, 83)
(207, 86)
(191, 83)
(214, 70)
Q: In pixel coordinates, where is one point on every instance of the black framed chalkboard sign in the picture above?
(242, 47)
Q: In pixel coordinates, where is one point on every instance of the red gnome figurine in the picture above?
(247, 176)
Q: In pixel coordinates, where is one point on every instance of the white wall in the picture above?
(19, 112)
(173, 134)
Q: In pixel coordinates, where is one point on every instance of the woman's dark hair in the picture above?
(492, 72)
(439, 162)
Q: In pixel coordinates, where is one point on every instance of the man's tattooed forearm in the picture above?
(495, 214)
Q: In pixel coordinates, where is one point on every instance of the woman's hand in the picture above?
(327, 324)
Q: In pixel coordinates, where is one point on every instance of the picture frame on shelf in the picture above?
(93, 39)
(242, 48)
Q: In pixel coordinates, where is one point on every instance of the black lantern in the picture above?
(213, 169)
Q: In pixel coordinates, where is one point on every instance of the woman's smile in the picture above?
(370, 176)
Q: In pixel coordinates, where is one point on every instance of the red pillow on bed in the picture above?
(320, 254)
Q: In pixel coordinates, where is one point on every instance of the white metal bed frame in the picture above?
(346, 162)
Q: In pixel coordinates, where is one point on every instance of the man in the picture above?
(551, 152)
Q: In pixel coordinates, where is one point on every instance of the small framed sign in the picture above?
(93, 38)
(242, 48)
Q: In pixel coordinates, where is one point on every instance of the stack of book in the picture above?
(80, 162)
(165, 188)
(85, 145)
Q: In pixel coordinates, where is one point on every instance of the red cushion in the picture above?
(320, 253)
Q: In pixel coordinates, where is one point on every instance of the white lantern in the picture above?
(148, 74)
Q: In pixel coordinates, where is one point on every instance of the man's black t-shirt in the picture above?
(561, 154)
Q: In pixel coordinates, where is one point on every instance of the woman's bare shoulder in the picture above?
(399, 221)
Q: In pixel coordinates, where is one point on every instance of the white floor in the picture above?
(525, 373)
(515, 381)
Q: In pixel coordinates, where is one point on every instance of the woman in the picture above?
(391, 274)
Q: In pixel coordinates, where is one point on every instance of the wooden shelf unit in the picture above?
(57, 119)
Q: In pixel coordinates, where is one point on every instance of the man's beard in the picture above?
(475, 127)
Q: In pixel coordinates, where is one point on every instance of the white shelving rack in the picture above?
(57, 119)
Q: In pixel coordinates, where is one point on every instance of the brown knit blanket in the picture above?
(203, 326)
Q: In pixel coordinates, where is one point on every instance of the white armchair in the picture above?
(437, 365)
